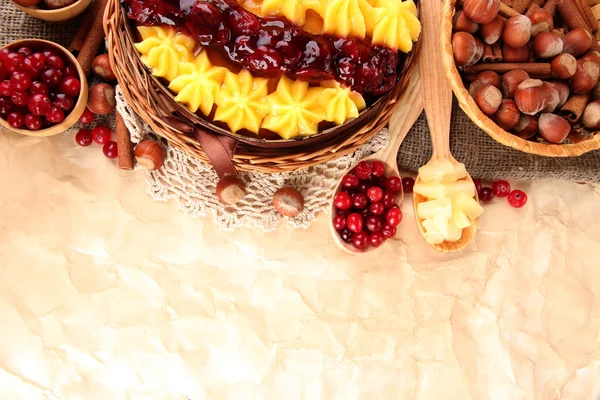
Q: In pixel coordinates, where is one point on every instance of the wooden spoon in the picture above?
(407, 111)
(437, 97)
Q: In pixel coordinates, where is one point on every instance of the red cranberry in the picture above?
(377, 208)
(378, 168)
(394, 216)
(478, 185)
(14, 62)
(70, 86)
(346, 235)
(243, 22)
(360, 201)
(33, 122)
(5, 89)
(343, 213)
(55, 61)
(16, 120)
(87, 117)
(110, 149)
(19, 98)
(55, 115)
(70, 71)
(342, 201)
(362, 187)
(339, 222)
(20, 81)
(3, 72)
(25, 51)
(501, 188)
(388, 200)
(349, 181)
(101, 134)
(6, 106)
(376, 239)
(517, 198)
(36, 61)
(3, 53)
(51, 77)
(374, 194)
(84, 137)
(354, 222)
(373, 223)
(393, 184)
(39, 104)
(38, 87)
(486, 194)
(360, 240)
(363, 170)
(365, 213)
(63, 101)
(388, 231)
(49, 53)
(407, 184)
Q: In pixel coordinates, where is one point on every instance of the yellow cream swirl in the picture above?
(340, 103)
(395, 24)
(294, 10)
(347, 18)
(198, 84)
(241, 101)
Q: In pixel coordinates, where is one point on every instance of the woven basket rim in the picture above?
(468, 105)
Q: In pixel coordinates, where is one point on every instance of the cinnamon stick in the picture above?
(520, 5)
(497, 52)
(91, 46)
(488, 54)
(571, 15)
(587, 14)
(506, 11)
(550, 7)
(535, 70)
(592, 3)
(83, 30)
(574, 107)
(124, 145)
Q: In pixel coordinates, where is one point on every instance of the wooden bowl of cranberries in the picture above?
(43, 90)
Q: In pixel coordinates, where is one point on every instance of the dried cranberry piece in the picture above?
(205, 15)
(265, 61)
(346, 69)
(367, 77)
(289, 53)
(242, 22)
(155, 12)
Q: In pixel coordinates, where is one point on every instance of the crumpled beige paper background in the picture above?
(105, 294)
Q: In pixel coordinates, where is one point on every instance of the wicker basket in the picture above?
(152, 102)
(469, 106)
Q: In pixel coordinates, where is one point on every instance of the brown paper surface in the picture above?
(106, 294)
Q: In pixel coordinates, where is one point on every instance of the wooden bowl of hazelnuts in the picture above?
(527, 71)
(52, 10)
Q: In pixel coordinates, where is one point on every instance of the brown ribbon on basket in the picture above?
(218, 148)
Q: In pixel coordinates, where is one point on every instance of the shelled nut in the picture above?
(530, 97)
(517, 31)
(511, 80)
(507, 115)
(547, 45)
(553, 128)
(467, 49)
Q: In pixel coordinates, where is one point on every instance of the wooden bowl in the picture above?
(470, 108)
(58, 15)
(78, 108)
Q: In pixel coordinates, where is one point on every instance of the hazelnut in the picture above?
(102, 68)
(547, 45)
(463, 24)
(541, 21)
(530, 96)
(467, 49)
(519, 55)
(586, 77)
(491, 32)
(511, 80)
(591, 116)
(527, 126)
(288, 201)
(481, 11)
(591, 55)
(230, 189)
(552, 97)
(507, 115)
(563, 66)
(150, 154)
(553, 128)
(55, 4)
(488, 98)
(563, 91)
(596, 92)
(482, 79)
(101, 99)
(578, 41)
(517, 31)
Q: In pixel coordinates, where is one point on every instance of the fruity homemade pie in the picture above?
(275, 67)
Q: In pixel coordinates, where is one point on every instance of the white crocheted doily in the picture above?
(192, 183)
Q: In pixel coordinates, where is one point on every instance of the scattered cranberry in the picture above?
(342, 201)
(33, 122)
(373, 223)
(346, 235)
(19, 99)
(110, 149)
(393, 184)
(16, 120)
(339, 222)
(378, 169)
(70, 86)
(84, 138)
(101, 134)
(349, 181)
(388, 231)
(407, 184)
(374, 193)
(55, 115)
(87, 117)
(360, 240)
(394, 216)
(360, 201)
(354, 222)
(501, 188)
(486, 194)
(517, 198)
(388, 200)
(20, 81)
(38, 87)
(377, 208)
(363, 170)
(39, 104)
(376, 239)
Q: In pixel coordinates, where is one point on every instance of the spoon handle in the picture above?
(407, 111)
(437, 94)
